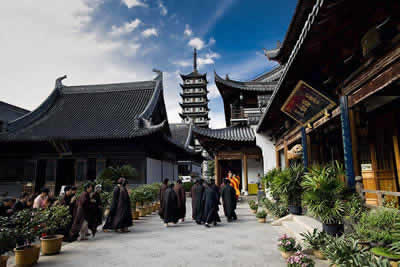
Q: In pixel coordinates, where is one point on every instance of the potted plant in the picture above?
(22, 230)
(324, 197)
(261, 216)
(287, 246)
(378, 226)
(6, 240)
(54, 220)
(287, 184)
(315, 241)
(300, 260)
(340, 251)
(133, 198)
(387, 254)
(253, 206)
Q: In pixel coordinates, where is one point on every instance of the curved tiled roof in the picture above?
(255, 86)
(235, 133)
(102, 111)
(181, 133)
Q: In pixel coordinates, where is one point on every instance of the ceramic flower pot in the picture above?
(394, 264)
(333, 229)
(25, 257)
(142, 212)
(287, 254)
(318, 254)
(36, 252)
(51, 244)
(134, 215)
(254, 211)
(262, 220)
(3, 261)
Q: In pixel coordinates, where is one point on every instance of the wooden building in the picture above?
(10, 112)
(235, 147)
(80, 130)
(339, 95)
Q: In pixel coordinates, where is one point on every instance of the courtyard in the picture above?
(243, 243)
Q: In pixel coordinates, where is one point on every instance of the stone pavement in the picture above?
(244, 243)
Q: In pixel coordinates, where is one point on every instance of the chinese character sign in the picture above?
(305, 104)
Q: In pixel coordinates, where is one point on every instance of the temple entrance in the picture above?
(65, 173)
(233, 165)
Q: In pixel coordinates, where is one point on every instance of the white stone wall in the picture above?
(268, 151)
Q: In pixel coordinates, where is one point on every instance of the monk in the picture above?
(197, 201)
(163, 187)
(229, 201)
(180, 193)
(80, 222)
(120, 216)
(170, 206)
(210, 199)
(216, 188)
(96, 210)
(234, 183)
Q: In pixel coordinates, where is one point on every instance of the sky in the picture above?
(109, 41)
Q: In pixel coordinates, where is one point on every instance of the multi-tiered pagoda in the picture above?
(194, 97)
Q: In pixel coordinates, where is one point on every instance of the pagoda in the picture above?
(194, 97)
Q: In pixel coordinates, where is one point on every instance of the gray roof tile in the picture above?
(235, 133)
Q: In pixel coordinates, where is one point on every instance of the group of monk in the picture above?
(206, 199)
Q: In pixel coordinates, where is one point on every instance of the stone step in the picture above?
(294, 230)
(294, 225)
(308, 222)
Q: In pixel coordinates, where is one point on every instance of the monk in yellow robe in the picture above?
(234, 181)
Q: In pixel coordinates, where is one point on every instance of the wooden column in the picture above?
(305, 147)
(216, 170)
(396, 154)
(278, 158)
(310, 160)
(246, 173)
(347, 145)
(285, 151)
(354, 141)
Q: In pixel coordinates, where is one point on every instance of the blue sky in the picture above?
(100, 41)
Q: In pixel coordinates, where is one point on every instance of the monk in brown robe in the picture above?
(180, 192)
(81, 218)
(163, 187)
(197, 201)
(120, 216)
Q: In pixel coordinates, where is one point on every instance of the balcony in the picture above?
(247, 116)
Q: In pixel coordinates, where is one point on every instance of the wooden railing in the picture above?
(380, 194)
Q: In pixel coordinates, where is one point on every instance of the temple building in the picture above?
(80, 130)
(10, 112)
(237, 147)
(338, 97)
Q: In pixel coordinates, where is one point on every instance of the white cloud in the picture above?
(36, 52)
(126, 28)
(208, 59)
(134, 3)
(214, 93)
(150, 32)
(217, 120)
(211, 42)
(163, 9)
(196, 43)
(183, 63)
(188, 32)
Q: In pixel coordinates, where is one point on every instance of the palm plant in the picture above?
(288, 184)
(324, 194)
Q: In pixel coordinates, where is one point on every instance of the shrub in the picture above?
(277, 208)
(288, 244)
(355, 208)
(52, 220)
(340, 250)
(253, 205)
(287, 184)
(379, 225)
(188, 186)
(261, 214)
(315, 240)
(366, 258)
(324, 194)
(300, 260)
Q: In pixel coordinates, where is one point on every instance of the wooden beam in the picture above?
(246, 181)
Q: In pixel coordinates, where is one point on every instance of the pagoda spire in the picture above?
(195, 60)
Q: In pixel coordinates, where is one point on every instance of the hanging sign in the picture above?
(305, 104)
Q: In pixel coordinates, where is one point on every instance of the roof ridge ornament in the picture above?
(159, 72)
(59, 84)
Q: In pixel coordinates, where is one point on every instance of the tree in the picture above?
(210, 168)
